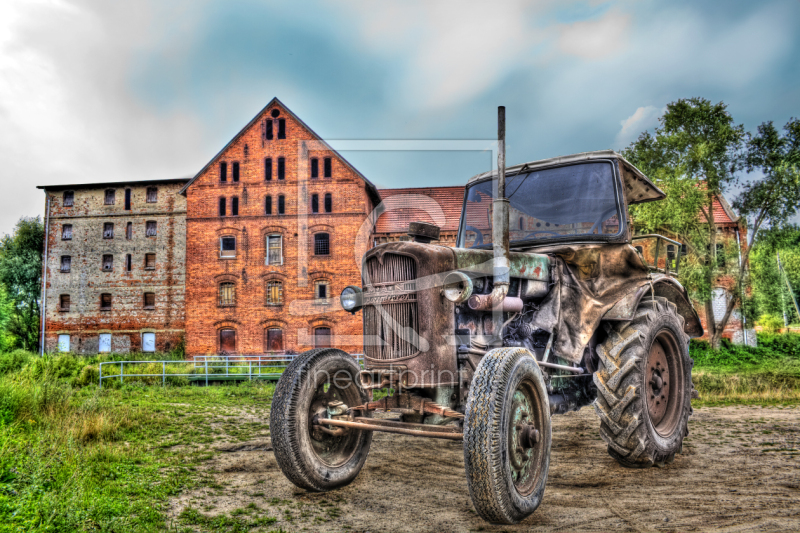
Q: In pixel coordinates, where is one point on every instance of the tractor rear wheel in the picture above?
(644, 386)
(314, 457)
(507, 436)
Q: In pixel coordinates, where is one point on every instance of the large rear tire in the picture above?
(644, 386)
(311, 458)
(507, 436)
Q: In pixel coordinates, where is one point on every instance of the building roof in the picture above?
(435, 205)
(371, 189)
(107, 184)
(723, 214)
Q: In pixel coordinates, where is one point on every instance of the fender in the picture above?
(666, 287)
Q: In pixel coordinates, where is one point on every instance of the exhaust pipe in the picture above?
(500, 244)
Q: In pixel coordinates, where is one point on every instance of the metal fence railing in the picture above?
(203, 368)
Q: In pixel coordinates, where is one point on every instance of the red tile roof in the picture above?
(436, 205)
(723, 214)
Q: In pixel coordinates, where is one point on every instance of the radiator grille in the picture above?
(385, 325)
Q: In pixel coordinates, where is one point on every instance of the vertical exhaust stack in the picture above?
(500, 219)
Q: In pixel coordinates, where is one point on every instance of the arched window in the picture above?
(274, 292)
(281, 204)
(273, 340)
(227, 341)
(328, 203)
(322, 337)
(222, 210)
(268, 205)
(227, 294)
(322, 244)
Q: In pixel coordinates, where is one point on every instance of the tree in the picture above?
(21, 274)
(693, 155)
(770, 296)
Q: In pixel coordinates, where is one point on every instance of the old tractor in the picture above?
(546, 305)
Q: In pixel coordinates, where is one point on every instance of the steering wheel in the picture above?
(532, 234)
(478, 235)
(607, 213)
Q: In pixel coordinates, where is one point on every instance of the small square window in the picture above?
(108, 263)
(66, 232)
(105, 302)
(111, 196)
(66, 263)
(108, 230)
(149, 261)
(322, 244)
(69, 198)
(63, 303)
(321, 291)
(149, 300)
(227, 247)
(152, 195)
(151, 228)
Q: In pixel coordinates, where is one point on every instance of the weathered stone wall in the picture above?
(298, 315)
(127, 320)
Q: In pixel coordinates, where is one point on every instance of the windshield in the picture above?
(552, 203)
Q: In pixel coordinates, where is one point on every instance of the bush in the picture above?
(89, 375)
(14, 361)
(785, 343)
(770, 323)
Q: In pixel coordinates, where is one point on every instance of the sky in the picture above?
(94, 91)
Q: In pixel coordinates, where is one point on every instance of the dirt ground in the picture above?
(739, 471)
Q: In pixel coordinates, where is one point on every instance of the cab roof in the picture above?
(638, 188)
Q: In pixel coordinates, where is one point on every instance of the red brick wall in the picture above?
(205, 269)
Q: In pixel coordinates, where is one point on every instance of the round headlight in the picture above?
(351, 298)
(457, 287)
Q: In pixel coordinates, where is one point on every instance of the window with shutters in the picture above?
(111, 196)
(321, 291)
(328, 203)
(105, 302)
(63, 302)
(108, 230)
(69, 199)
(322, 337)
(273, 340)
(150, 261)
(108, 263)
(268, 169)
(223, 171)
(314, 168)
(149, 300)
(66, 263)
(227, 247)
(322, 244)
(268, 205)
(274, 293)
(222, 207)
(66, 232)
(281, 204)
(235, 172)
(227, 294)
(328, 167)
(281, 168)
(274, 250)
(129, 231)
(235, 206)
(151, 228)
(127, 199)
(315, 203)
(152, 195)
(128, 262)
(281, 128)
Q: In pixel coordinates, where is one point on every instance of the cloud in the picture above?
(595, 39)
(642, 119)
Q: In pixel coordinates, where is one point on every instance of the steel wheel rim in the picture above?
(331, 450)
(525, 452)
(663, 383)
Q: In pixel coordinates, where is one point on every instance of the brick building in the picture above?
(114, 266)
(434, 205)
(272, 227)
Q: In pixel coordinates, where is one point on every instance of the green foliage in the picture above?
(21, 274)
(770, 295)
(770, 323)
(772, 349)
(14, 361)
